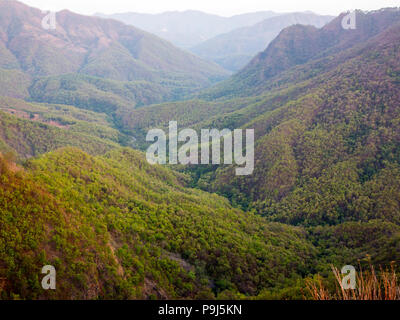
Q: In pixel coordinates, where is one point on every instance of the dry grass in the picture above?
(369, 286)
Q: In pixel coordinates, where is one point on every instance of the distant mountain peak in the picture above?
(191, 27)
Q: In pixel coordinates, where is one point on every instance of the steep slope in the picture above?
(335, 145)
(325, 156)
(188, 28)
(112, 61)
(235, 49)
(116, 227)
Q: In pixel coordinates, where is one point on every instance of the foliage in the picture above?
(182, 240)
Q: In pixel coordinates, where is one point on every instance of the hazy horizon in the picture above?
(223, 8)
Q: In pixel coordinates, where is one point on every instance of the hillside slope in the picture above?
(116, 227)
(87, 61)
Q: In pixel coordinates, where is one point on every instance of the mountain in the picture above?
(188, 28)
(235, 49)
(92, 62)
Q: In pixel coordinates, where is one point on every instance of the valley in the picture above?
(77, 192)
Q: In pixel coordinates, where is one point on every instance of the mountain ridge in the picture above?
(311, 43)
(244, 43)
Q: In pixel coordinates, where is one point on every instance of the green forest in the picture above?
(77, 193)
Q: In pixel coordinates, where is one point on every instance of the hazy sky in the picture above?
(221, 7)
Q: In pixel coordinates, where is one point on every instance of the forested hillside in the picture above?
(116, 227)
(189, 28)
(324, 104)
